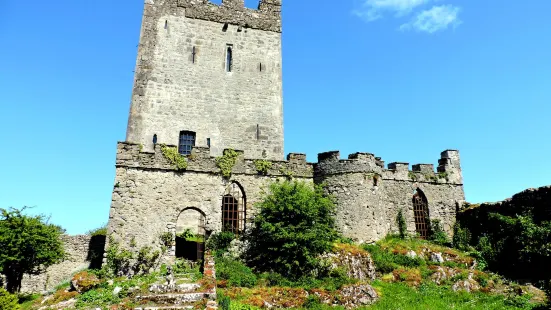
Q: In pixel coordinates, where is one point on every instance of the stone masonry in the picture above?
(182, 84)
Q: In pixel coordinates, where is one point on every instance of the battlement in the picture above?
(132, 155)
(267, 17)
(449, 170)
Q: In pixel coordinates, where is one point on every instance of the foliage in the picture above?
(263, 166)
(226, 162)
(97, 298)
(146, 260)
(286, 172)
(219, 242)
(188, 235)
(437, 233)
(514, 240)
(167, 238)
(8, 301)
(28, 245)
(193, 270)
(413, 176)
(461, 238)
(402, 226)
(118, 260)
(295, 225)
(100, 231)
(235, 273)
(387, 261)
(176, 159)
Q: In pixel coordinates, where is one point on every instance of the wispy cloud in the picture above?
(436, 19)
(371, 10)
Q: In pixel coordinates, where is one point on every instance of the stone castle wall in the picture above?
(150, 195)
(82, 251)
(181, 81)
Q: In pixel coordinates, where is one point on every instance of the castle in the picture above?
(208, 78)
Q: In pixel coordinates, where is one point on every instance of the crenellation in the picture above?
(423, 168)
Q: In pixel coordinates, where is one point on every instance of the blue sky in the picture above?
(404, 79)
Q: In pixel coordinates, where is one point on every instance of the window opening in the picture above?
(260, 67)
(257, 132)
(375, 180)
(193, 53)
(166, 24)
(225, 27)
(421, 214)
(233, 209)
(155, 139)
(208, 142)
(186, 143)
(229, 59)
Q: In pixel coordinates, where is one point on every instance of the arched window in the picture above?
(229, 59)
(421, 214)
(186, 142)
(233, 209)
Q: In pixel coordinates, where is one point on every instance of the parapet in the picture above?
(449, 170)
(267, 17)
(131, 155)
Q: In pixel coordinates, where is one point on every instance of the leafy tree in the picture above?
(28, 245)
(294, 226)
(8, 301)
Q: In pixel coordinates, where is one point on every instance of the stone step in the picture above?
(172, 307)
(174, 298)
(180, 288)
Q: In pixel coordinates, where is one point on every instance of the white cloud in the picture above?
(436, 19)
(374, 9)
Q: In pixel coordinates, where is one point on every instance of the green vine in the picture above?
(413, 176)
(262, 166)
(176, 159)
(226, 162)
(443, 175)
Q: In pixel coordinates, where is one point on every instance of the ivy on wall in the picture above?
(226, 162)
(176, 159)
(263, 166)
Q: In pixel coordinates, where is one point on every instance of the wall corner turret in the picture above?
(450, 164)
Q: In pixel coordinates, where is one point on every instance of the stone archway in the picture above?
(190, 234)
(421, 214)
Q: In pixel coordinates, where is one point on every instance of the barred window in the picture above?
(233, 209)
(421, 214)
(186, 143)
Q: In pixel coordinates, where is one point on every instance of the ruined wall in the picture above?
(80, 255)
(369, 197)
(149, 194)
(181, 81)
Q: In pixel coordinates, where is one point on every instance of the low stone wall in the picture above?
(82, 251)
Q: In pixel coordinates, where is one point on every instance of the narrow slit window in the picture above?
(229, 59)
(260, 67)
(186, 143)
(225, 27)
(166, 24)
(208, 142)
(193, 53)
(155, 139)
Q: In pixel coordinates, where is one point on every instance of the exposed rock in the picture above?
(84, 281)
(357, 295)
(117, 290)
(442, 274)
(411, 254)
(437, 258)
(468, 285)
(356, 261)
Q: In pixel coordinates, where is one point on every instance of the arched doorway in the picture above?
(421, 214)
(234, 209)
(190, 235)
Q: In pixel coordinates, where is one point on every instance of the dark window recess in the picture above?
(257, 132)
(225, 28)
(421, 214)
(233, 209)
(208, 142)
(375, 180)
(166, 24)
(186, 143)
(229, 59)
(155, 139)
(193, 54)
(260, 67)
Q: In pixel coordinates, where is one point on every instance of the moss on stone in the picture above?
(263, 166)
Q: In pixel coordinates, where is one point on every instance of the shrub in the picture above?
(294, 226)
(100, 231)
(235, 273)
(96, 298)
(437, 233)
(402, 226)
(386, 262)
(8, 301)
(219, 242)
(461, 237)
(118, 260)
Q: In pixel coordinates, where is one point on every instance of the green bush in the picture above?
(219, 242)
(294, 226)
(235, 273)
(8, 301)
(97, 298)
(402, 226)
(461, 237)
(100, 231)
(437, 233)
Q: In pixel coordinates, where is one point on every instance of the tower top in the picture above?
(266, 17)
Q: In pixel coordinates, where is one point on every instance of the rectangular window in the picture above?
(186, 143)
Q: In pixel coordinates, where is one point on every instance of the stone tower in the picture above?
(209, 75)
